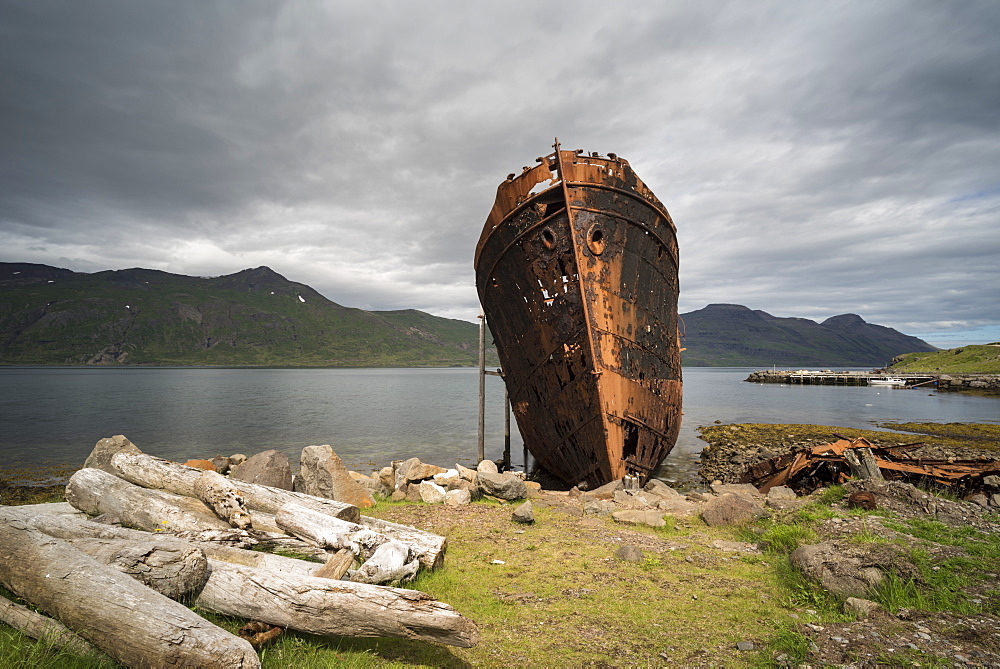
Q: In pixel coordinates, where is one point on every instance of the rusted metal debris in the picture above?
(577, 273)
(810, 468)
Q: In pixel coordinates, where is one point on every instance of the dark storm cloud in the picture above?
(817, 158)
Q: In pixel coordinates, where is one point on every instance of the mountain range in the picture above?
(50, 315)
(732, 335)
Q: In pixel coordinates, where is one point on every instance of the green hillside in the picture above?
(254, 317)
(976, 359)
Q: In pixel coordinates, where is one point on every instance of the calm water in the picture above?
(372, 416)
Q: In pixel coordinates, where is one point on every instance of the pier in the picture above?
(982, 382)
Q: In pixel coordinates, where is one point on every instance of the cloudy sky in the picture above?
(818, 158)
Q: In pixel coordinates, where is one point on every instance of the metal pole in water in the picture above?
(482, 386)
(506, 428)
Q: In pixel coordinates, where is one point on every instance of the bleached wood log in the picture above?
(340, 608)
(327, 531)
(391, 562)
(338, 565)
(273, 590)
(429, 547)
(171, 568)
(152, 472)
(119, 615)
(223, 498)
(42, 627)
(95, 491)
(65, 522)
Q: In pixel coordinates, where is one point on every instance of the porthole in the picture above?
(548, 239)
(596, 240)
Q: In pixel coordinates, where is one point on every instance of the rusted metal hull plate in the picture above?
(577, 273)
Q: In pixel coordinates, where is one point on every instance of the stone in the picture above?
(400, 470)
(838, 572)
(201, 464)
(781, 492)
(639, 517)
(466, 473)
(322, 473)
(660, 489)
(374, 486)
(861, 608)
(574, 492)
(744, 645)
(503, 486)
(629, 498)
(732, 509)
(236, 459)
(995, 499)
(534, 489)
(421, 471)
(980, 499)
(387, 477)
(599, 507)
(487, 467)
(413, 493)
(607, 491)
(457, 497)
(745, 489)
(678, 506)
(629, 554)
(524, 514)
(398, 495)
(431, 492)
(104, 449)
(270, 468)
(445, 476)
(221, 464)
(992, 480)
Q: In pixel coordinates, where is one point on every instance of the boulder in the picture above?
(487, 467)
(745, 489)
(444, 477)
(374, 486)
(607, 491)
(221, 464)
(836, 570)
(270, 468)
(524, 514)
(678, 507)
(400, 469)
(639, 517)
(421, 471)
(534, 488)
(861, 608)
(457, 497)
(732, 509)
(781, 492)
(322, 473)
(504, 486)
(387, 476)
(431, 492)
(598, 507)
(629, 553)
(466, 473)
(658, 488)
(104, 449)
(236, 459)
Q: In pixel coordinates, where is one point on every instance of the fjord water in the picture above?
(54, 415)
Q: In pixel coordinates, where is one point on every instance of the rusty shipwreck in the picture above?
(576, 270)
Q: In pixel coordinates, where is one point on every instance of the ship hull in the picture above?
(577, 273)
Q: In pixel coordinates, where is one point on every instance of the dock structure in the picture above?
(828, 377)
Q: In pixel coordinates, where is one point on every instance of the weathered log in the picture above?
(391, 562)
(171, 568)
(328, 532)
(95, 491)
(42, 627)
(119, 615)
(151, 472)
(340, 608)
(338, 565)
(273, 589)
(428, 547)
(65, 522)
(863, 464)
(223, 498)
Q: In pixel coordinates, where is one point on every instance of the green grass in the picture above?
(974, 359)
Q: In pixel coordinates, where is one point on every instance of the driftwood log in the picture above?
(152, 472)
(170, 568)
(94, 491)
(42, 627)
(329, 532)
(119, 615)
(223, 498)
(340, 608)
(274, 589)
